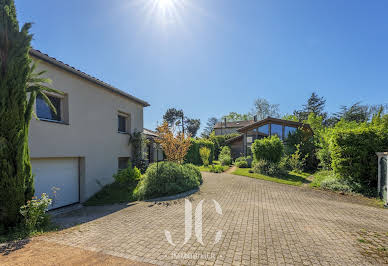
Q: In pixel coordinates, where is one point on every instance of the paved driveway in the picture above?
(261, 223)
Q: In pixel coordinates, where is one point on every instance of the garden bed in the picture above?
(292, 178)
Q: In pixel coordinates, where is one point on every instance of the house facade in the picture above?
(224, 128)
(154, 152)
(241, 145)
(77, 150)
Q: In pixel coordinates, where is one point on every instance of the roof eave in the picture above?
(271, 119)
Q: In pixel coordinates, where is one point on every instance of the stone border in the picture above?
(174, 197)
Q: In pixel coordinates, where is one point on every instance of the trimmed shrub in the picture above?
(353, 154)
(128, 175)
(167, 178)
(193, 156)
(269, 149)
(205, 154)
(216, 168)
(241, 162)
(268, 168)
(194, 169)
(225, 156)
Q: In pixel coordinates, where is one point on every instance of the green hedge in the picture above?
(269, 149)
(353, 154)
(193, 155)
(220, 141)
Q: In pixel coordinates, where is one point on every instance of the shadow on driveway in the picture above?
(8, 248)
(86, 214)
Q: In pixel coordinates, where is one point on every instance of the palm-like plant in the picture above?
(36, 86)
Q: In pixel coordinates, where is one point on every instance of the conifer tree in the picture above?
(19, 86)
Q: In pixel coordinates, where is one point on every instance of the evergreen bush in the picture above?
(269, 149)
(128, 175)
(168, 178)
(241, 162)
(225, 156)
(216, 168)
(265, 167)
(353, 154)
(17, 80)
(219, 141)
(193, 156)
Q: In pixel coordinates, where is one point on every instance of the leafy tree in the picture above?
(315, 105)
(192, 126)
(233, 116)
(262, 108)
(17, 79)
(176, 117)
(211, 122)
(358, 112)
(290, 118)
(172, 115)
(174, 145)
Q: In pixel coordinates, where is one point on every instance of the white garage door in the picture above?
(60, 174)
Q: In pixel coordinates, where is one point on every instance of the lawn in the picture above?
(111, 194)
(203, 168)
(292, 178)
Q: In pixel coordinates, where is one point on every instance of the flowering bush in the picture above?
(34, 212)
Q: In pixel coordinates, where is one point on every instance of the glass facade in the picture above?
(264, 129)
(288, 130)
(276, 130)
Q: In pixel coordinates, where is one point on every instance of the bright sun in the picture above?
(167, 10)
(165, 4)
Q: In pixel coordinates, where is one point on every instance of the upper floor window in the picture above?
(124, 123)
(44, 111)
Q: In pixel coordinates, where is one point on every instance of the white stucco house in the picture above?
(77, 150)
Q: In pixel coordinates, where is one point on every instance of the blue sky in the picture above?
(211, 57)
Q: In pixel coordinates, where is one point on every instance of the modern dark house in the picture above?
(240, 145)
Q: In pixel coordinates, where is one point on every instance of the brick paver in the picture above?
(261, 223)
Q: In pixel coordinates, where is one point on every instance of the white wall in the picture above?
(92, 129)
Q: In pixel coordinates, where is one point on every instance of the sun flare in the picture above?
(165, 4)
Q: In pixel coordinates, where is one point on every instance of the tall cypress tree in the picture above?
(19, 86)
